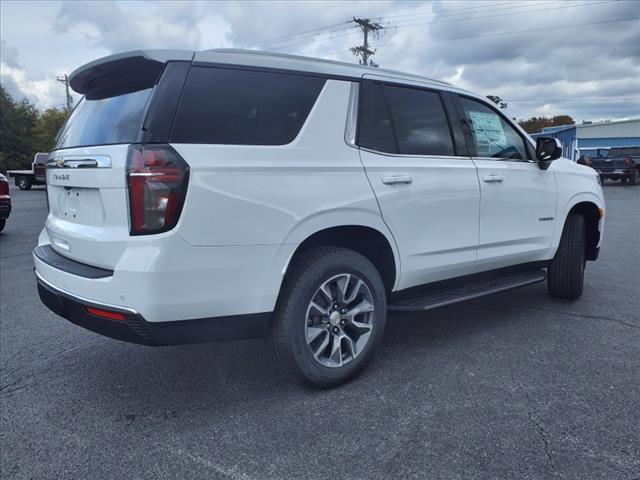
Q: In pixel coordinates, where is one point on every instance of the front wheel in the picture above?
(2, 224)
(565, 275)
(635, 178)
(330, 316)
(23, 183)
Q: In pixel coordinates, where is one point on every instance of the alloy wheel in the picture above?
(339, 320)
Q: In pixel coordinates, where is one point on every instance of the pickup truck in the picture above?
(620, 163)
(25, 179)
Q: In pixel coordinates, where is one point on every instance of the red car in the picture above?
(5, 201)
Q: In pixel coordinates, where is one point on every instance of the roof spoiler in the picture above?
(137, 67)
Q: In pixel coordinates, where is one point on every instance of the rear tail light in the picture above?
(157, 178)
(4, 186)
(627, 161)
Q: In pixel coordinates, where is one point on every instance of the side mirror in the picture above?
(548, 149)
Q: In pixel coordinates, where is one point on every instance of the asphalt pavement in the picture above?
(517, 385)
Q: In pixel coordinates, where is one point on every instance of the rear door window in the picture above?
(404, 120)
(244, 107)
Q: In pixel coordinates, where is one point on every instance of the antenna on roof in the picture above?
(363, 51)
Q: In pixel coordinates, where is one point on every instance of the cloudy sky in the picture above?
(580, 57)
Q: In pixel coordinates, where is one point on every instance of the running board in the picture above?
(439, 297)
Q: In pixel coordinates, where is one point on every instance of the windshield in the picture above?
(104, 121)
(624, 152)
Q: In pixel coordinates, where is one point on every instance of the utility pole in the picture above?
(65, 80)
(363, 51)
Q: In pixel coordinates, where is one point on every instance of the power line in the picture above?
(522, 10)
(314, 31)
(583, 99)
(346, 25)
(448, 12)
(503, 33)
(546, 9)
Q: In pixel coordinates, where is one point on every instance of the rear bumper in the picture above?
(135, 329)
(616, 173)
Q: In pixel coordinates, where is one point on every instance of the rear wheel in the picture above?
(23, 183)
(330, 316)
(565, 277)
(2, 224)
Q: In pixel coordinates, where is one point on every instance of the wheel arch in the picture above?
(591, 213)
(364, 239)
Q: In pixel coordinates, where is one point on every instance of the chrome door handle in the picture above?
(397, 179)
(493, 178)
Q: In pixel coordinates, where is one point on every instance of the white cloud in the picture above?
(464, 42)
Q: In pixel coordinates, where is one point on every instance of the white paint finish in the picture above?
(88, 209)
(167, 279)
(510, 211)
(434, 219)
(247, 195)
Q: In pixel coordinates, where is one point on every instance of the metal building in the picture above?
(587, 139)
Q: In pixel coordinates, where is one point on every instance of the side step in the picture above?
(440, 296)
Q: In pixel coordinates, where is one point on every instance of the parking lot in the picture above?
(517, 385)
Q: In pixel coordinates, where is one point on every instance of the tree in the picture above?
(535, 124)
(498, 101)
(17, 126)
(24, 131)
(50, 121)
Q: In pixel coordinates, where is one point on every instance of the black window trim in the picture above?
(471, 143)
(441, 95)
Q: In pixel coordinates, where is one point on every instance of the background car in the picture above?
(621, 163)
(5, 201)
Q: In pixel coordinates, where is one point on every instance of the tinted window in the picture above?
(404, 120)
(420, 122)
(241, 107)
(375, 129)
(116, 119)
(492, 135)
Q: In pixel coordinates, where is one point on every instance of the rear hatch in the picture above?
(87, 185)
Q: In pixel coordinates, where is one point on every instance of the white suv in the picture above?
(231, 194)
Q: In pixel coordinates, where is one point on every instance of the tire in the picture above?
(330, 269)
(565, 275)
(23, 183)
(2, 224)
(635, 178)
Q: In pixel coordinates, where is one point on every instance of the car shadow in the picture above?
(217, 377)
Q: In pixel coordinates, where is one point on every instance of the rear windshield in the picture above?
(624, 152)
(103, 121)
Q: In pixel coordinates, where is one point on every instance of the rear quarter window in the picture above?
(244, 107)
